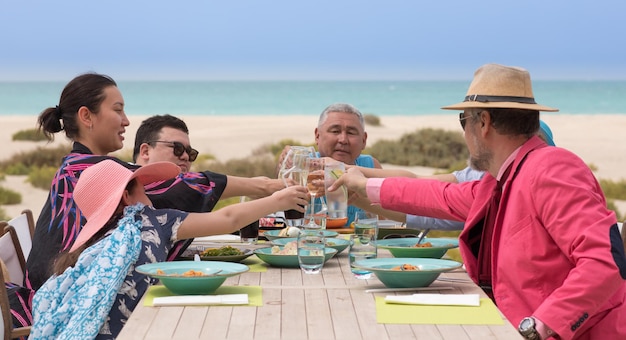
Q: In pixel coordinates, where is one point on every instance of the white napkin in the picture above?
(201, 300)
(435, 299)
(217, 238)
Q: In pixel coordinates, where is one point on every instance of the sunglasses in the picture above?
(179, 149)
(462, 120)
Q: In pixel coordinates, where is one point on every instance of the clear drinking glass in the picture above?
(293, 170)
(361, 248)
(250, 233)
(311, 249)
(315, 216)
(336, 201)
(366, 223)
(317, 190)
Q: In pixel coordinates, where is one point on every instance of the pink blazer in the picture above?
(556, 251)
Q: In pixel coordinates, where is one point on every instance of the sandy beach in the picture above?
(597, 139)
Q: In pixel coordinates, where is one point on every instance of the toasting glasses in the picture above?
(293, 170)
(315, 217)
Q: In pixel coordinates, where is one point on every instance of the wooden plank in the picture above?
(268, 320)
(164, 323)
(191, 322)
(140, 322)
(293, 314)
(343, 314)
(318, 316)
(216, 323)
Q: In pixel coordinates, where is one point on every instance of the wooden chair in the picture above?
(11, 254)
(6, 324)
(24, 225)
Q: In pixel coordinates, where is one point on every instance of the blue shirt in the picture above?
(424, 222)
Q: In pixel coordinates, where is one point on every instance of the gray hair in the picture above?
(340, 107)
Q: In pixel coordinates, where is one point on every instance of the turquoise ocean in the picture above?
(382, 98)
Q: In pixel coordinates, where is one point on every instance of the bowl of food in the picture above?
(407, 272)
(336, 222)
(408, 246)
(192, 277)
(225, 253)
(292, 232)
(287, 256)
(336, 243)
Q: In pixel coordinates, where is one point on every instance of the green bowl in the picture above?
(430, 269)
(403, 247)
(336, 243)
(215, 274)
(287, 261)
(273, 234)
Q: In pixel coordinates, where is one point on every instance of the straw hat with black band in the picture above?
(502, 87)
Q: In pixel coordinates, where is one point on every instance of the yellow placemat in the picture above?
(255, 294)
(486, 314)
(256, 264)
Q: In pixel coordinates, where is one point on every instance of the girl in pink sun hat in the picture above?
(95, 287)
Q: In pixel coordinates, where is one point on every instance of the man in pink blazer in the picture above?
(549, 252)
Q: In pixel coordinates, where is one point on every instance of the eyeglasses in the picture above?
(462, 120)
(179, 149)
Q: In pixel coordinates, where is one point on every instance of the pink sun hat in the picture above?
(100, 188)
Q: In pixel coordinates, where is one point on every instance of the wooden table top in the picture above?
(332, 305)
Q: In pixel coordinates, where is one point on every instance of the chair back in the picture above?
(11, 253)
(6, 320)
(5, 311)
(24, 225)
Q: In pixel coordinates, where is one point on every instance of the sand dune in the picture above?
(595, 138)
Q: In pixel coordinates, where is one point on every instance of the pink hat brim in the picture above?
(101, 186)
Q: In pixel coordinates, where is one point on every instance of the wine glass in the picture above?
(316, 186)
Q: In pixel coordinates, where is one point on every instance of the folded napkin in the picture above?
(201, 300)
(435, 299)
(217, 238)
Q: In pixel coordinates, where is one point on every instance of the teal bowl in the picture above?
(336, 243)
(272, 235)
(171, 275)
(287, 261)
(429, 270)
(403, 247)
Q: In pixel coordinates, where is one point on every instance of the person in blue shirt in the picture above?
(340, 134)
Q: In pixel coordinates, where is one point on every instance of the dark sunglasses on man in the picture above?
(179, 149)
(462, 120)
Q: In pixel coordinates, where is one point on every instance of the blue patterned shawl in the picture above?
(75, 304)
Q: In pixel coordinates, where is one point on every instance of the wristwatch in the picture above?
(527, 329)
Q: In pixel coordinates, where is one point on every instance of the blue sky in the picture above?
(310, 40)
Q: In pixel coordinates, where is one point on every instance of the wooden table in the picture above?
(333, 305)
